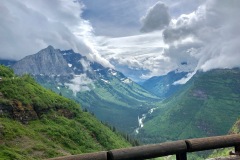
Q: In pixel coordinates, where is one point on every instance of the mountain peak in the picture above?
(50, 47)
(48, 61)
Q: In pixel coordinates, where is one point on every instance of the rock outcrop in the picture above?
(48, 61)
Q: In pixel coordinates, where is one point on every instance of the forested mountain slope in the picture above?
(208, 105)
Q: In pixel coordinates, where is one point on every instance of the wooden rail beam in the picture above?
(148, 151)
(200, 144)
(178, 148)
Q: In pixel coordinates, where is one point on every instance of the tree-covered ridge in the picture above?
(36, 123)
(207, 106)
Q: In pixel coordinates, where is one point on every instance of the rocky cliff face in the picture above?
(25, 113)
(18, 112)
(48, 61)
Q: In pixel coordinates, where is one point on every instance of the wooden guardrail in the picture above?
(178, 148)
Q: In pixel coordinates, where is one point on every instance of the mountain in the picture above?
(162, 86)
(36, 123)
(110, 95)
(207, 105)
(47, 62)
(6, 62)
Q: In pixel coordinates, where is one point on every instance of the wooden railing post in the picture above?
(181, 156)
(237, 150)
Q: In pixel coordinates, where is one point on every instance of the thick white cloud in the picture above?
(29, 26)
(206, 38)
(140, 52)
(157, 18)
(214, 30)
(80, 83)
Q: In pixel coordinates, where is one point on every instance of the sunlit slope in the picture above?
(36, 123)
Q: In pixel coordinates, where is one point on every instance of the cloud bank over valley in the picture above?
(140, 38)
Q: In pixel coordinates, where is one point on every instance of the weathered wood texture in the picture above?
(88, 156)
(200, 144)
(148, 151)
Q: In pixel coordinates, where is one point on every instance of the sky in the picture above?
(141, 38)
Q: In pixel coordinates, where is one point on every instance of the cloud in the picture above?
(205, 36)
(139, 55)
(80, 83)
(212, 31)
(116, 18)
(156, 18)
(29, 26)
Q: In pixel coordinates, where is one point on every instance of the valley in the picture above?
(160, 112)
(167, 113)
(112, 97)
(81, 76)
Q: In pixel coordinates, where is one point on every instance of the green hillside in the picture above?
(36, 123)
(207, 106)
(114, 102)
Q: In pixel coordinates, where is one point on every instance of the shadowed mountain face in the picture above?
(107, 93)
(48, 61)
(162, 86)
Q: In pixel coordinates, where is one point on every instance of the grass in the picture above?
(61, 127)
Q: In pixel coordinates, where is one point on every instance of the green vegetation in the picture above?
(225, 152)
(36, 123)
(115, 99)
(6, 72)
(207, 106)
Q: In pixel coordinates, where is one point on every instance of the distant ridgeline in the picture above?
(36, 123)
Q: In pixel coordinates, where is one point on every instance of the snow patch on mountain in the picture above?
(69, 65)
(114, 73)
(106, 81)
(127, 81)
